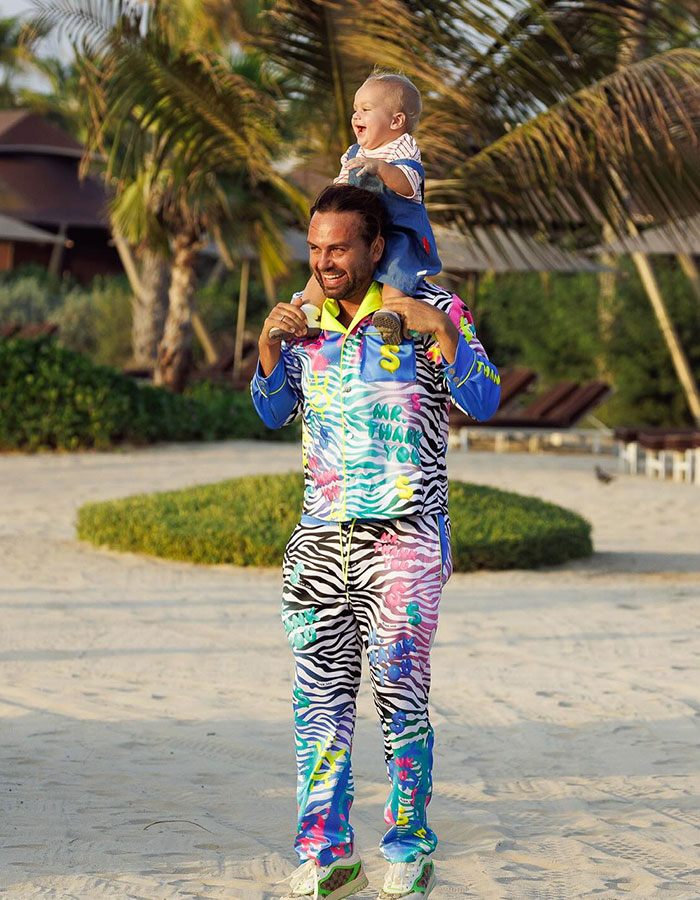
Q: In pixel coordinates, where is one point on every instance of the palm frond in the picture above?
(330, 46)
(633, 135)
(546, 51)
(197, 105)
(89, 25)
(135, 210)
(186, 136)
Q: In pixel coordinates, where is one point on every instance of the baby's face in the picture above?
(375, 121)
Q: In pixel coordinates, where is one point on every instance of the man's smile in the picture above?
(332, 277)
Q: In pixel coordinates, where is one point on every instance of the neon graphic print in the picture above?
(377, 414)
(385, 598)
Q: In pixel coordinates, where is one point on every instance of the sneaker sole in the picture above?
(278, 334)
(389, 327)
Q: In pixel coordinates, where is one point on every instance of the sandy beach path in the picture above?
(146, 744)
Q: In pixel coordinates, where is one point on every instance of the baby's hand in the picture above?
(364, 165)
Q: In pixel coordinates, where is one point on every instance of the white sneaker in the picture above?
(409, 880)
(313, 319)
(341, 878)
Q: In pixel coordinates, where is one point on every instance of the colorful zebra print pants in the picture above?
(369, 585)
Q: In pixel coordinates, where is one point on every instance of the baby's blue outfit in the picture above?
(410, 252)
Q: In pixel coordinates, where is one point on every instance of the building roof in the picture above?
(487, 249)
(22, 131)
(14, 230)
(47, 191)
(682, 236)
(39, 181)
(490, 248)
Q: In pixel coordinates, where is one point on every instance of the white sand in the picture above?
(146, 744)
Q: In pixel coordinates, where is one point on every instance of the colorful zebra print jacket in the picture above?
(374, 417)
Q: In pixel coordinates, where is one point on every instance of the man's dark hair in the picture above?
(348, 198)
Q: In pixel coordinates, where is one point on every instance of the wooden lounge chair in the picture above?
(515, 382)
(38, 330)
(539, 411)
(9, 330)
(559, 409)
(32, 330)
(577, 404)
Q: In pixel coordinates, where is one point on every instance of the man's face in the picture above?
(340, 259)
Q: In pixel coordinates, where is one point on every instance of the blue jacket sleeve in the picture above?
(277, 398)
(473, 382)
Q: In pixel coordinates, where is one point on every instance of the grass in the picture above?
(247, 522)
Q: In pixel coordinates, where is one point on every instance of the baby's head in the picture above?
(386, 106)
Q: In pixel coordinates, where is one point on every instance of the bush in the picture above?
(93, 319)
(52, 397)
(96, 321)
(247, 522)
(494, 529)
(28, 297)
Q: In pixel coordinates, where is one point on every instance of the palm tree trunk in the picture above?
(240, 324)
(691, 271)
(175, 350)
(632, 25)
(680, 361)
(149, 301)
(632, 49)
(149, 309)
(607, 294)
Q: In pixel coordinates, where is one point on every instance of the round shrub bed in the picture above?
(247, 522)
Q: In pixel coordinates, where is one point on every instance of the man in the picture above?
(366, 565)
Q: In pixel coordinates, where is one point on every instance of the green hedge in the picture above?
(54, 398)
(494, 529)
(247, 522)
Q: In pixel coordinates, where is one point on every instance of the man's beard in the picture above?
(348, 287)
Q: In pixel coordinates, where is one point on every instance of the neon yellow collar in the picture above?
(331, 310)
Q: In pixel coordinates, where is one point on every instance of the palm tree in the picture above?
(185, 134)
(11, 60)
(558, 115)
(612, 138)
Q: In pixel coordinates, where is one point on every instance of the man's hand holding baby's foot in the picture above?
(424, 318)
(312, 315)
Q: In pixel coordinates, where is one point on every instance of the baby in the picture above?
(386, 159)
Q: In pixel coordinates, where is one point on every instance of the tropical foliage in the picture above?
(551, 325)
(11, 62)
(188, 136)
(550, 115)
(631, 137)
